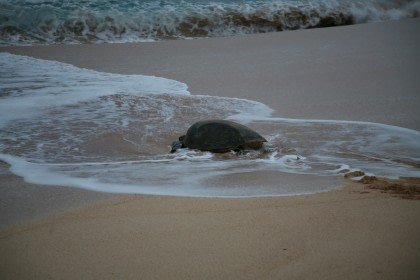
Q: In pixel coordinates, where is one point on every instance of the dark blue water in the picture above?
(27, 22)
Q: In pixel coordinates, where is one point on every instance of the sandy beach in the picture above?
(363, 72)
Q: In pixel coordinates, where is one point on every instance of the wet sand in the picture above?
(21, 202)
(363, 72)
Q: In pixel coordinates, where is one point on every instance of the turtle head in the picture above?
(175, 146)
(181, 139)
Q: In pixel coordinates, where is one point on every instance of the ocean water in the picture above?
(24, 22)
(107, 132)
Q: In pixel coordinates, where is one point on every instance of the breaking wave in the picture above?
(79, 21)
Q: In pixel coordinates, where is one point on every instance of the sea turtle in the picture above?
(219, 136)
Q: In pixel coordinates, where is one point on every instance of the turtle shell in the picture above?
(221, 136)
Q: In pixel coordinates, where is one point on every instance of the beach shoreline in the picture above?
(351, 233)
(364, 72)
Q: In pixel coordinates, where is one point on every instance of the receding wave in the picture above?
(107, 132)
(74, 21)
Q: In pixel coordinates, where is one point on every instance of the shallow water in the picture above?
(62, 125)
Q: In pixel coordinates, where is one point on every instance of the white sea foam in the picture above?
(62, 125)
(73, 21)
(29, 86)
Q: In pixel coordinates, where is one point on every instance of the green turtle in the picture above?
(219, 136)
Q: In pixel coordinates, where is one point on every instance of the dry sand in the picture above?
(342, 234)
(363, 72)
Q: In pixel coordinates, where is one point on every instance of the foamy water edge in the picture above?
(115, 102)
(31, 22)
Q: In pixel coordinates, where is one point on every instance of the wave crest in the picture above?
(47, 22)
